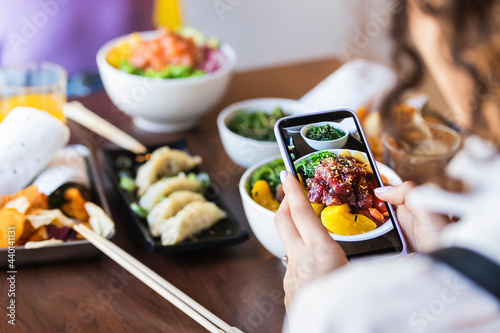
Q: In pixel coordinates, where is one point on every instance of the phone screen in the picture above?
(329, 154)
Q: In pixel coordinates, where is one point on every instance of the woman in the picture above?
(458, 41)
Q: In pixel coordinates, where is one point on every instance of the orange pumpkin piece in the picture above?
(38, 236)
(37, 200)
(74, 205)
(11, 224)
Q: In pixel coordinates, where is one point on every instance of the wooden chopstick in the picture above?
(168, 291)
(83, 116)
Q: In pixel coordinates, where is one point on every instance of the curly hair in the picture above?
(472, 29)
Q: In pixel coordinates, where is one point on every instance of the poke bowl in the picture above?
(325, 135)
(261, 219)
(388, 175)
(248, 144)
(159, 95)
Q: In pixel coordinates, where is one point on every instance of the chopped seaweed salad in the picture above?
(257, 125)
(307, 166)
(324, 133)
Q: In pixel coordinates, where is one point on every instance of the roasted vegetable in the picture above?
(10, 221)
(57, 198)
(74, 204)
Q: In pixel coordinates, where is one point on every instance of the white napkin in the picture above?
(67, 166)
(29, 139)
(355, 84)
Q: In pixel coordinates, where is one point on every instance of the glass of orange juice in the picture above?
(37, 85)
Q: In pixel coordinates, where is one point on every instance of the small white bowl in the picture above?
(330, 144)
(164, 105)
(261, 220)
(245, 151)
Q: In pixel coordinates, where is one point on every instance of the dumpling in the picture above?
(164, 162)
(169, 206)
(167, 186)
(192, 219)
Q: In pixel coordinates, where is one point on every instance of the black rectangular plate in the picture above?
(225, 232)
(67, 251)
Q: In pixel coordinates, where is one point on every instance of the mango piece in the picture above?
(339, 220)
(261, 194)
(318, 208)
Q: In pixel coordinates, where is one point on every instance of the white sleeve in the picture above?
(395, 295)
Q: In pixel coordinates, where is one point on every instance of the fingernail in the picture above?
(380, 190)
(283, 175)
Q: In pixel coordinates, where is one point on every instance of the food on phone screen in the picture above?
(257, 125)
(344, 184)
(325, 133)
(367, 211)
(339, 220)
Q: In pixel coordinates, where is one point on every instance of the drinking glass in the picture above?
(37, 85)
(420, 152)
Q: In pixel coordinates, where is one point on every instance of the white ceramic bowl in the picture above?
(261, 220)
(164, 105)
(324, 145)
(244, 151)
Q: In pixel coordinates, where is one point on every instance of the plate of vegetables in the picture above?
(43, 220)
(325, 135)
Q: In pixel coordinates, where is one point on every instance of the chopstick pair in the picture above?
(196, 311)
(83, 116)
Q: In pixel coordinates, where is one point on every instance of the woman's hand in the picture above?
(311, 251)
(420, 228)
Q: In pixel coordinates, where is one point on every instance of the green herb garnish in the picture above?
(324, 133)
(257, 125)
(307, 167)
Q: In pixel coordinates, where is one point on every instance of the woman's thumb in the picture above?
(395, 195)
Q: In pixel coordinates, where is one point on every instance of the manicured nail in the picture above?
(380, 190)
(283, 175)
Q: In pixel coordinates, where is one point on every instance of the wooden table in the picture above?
(240, 284)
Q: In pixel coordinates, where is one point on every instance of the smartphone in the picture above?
(329, 154)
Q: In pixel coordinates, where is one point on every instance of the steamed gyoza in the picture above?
(192, 219)
(170, 206)
(164, 162)
(166, 186)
